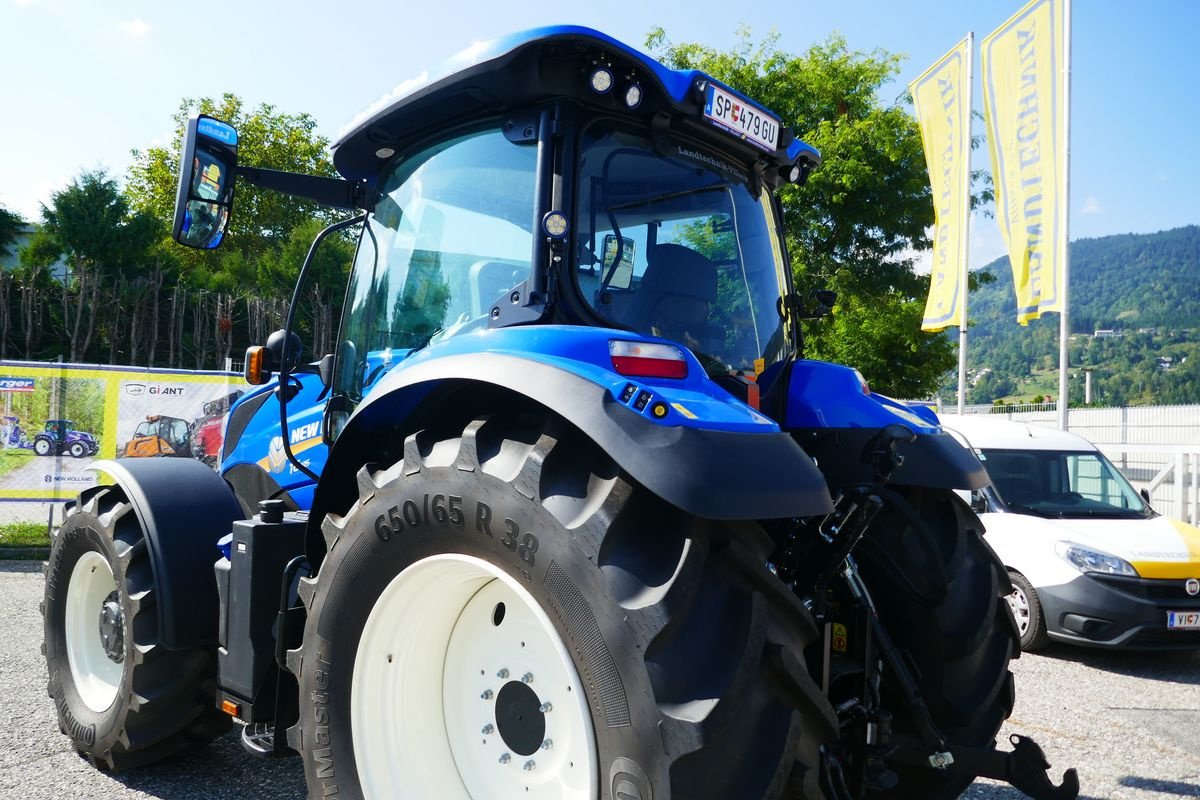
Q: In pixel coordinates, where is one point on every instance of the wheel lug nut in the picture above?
(527, 677)
(545, 708)
(487, 695)
(502, 674)
(505, 758)
(488, 730)
(530, 766)
(546, 745)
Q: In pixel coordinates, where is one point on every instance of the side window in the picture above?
(450, 234)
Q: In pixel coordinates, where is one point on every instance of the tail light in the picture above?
(647, 359)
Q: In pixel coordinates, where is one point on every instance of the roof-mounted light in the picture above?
(647, 359)
(601, 80)
(633, 96)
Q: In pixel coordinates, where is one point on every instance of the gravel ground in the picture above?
(1127, 721)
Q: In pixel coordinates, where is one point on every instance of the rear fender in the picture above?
(830, 410)
(753, 472)
(183, 508)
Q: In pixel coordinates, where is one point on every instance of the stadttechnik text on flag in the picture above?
(1023, 100)
(942, 101)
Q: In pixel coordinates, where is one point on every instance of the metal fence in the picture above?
(57, 420)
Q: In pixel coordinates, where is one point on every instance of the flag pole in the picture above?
(966, 227)
(1064, 323)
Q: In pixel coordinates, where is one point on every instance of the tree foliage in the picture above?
(853, 226)
(1141, 286)
(10, 225)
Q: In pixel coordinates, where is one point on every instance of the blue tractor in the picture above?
(566, 514)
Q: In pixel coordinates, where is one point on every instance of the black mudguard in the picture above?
(184, 508)
(712, 474)
(933, 460)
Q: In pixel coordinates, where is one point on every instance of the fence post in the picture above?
(1180, 486)
(1195, 489)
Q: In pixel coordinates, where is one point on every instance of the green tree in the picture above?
(10, 225)
(867, 206)
(90, 225)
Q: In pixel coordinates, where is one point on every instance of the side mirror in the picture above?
(262, 360)
(1145, 493)
(325, 370)
(826, 300)
(978, 502)
(207, 166)
(616, 274)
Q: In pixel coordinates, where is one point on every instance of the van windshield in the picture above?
(1065, 484)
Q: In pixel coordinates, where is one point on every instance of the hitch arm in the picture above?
(1024, 767)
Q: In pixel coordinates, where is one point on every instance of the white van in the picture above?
(1091, 563)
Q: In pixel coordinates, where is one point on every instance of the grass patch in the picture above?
(11, 459)
(24, 534)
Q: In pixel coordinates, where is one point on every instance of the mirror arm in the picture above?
(326, 191)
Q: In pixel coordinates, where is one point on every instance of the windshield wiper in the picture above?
(1019, 507)
(645, 201)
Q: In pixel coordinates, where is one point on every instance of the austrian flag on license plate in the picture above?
(735, 115)
(1183, 620)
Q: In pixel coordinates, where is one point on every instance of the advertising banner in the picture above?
(57, 419)
(1024, 96)
(942, 101)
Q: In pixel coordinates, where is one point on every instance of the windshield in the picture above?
(675, 244)
(449, 235)
(1062, 484)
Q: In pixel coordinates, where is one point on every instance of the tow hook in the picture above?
(1025, 767)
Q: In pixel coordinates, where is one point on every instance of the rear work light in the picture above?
(647, 359)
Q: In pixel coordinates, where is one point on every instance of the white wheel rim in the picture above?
(1019, 604)
(97, 677)
(428, 673)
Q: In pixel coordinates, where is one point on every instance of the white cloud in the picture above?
(135, 27)
(1090, 206)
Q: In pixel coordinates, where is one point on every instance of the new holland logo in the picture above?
(1192, 586)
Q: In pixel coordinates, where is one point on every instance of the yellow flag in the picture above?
(1023, 102)
(942, 101)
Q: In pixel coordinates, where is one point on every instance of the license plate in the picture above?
(1183, 620)
(745, 121)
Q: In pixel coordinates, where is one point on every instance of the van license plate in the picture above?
(1183, 620)
(742, 119)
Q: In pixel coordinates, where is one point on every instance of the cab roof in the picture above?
(982, 432)
(517, 72)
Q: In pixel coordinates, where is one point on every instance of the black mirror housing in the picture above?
(274, 346)
(207, 167)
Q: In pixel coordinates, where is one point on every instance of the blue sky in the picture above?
(84, 83)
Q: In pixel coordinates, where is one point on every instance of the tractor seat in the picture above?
(675, 296)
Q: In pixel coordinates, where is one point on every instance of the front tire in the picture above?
(504, 614)
(1027, 611)
(78, 450)
(122, 698)
(940, 593)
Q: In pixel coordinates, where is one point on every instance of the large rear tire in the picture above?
(941, 594)
(122, 698)
(505, 614)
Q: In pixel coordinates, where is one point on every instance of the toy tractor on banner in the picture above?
(59, 438)
(565, 514)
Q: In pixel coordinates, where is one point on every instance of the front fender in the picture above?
(183, 508)
(717, 474)
(830, 410)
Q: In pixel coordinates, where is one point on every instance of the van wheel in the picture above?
(1027, 611)
(504, 614)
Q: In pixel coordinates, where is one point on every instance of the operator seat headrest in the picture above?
(673, 269)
